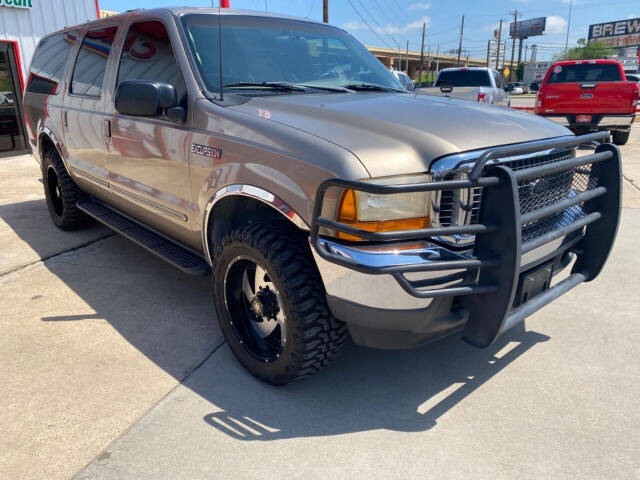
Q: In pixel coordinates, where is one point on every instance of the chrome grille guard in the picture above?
(498, 249)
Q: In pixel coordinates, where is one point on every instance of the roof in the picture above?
(209, 10)
(595, 60)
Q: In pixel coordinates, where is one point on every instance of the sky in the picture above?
(389, 23)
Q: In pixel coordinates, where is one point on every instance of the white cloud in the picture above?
(555, 24)
(420, 6)
(389, 28)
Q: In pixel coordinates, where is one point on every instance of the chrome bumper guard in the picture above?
(489, 300)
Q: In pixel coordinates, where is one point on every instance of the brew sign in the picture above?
(623, 33)
(16, 3)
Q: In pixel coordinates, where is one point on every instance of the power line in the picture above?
(400, 9)
(378, 24)
(367, 24)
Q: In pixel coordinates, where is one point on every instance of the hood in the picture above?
(393, 134)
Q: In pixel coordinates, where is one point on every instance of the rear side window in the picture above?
(464, 78)
(147, 55)
(91, 62)
(497, 76)
(585, 72)
(47, 66)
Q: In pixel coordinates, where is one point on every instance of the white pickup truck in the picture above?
(477, 84)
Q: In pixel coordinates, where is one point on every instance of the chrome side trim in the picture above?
(92, 178)
(149, 203)
(250, 191)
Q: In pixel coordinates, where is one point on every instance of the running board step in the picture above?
(179, 256)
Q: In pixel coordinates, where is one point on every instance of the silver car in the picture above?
(278, 156)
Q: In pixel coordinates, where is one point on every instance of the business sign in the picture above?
(528, 28)
(16, 3)
(623, 33)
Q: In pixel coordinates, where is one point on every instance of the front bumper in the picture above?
(602, 122)
(427, 290)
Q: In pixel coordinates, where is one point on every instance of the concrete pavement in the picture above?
(95, 341)
(90, 339)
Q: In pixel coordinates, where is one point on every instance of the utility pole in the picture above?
(499, 42)
(488, 51)
(406, 58)
(437, 58)
(519, 56)
(526, 49)
(424, 26)
(513, 46)
(566, 43)
(325, 11)
(460, 44)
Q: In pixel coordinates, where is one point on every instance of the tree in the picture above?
(585, 51)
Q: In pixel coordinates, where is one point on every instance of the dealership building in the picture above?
(22, 24)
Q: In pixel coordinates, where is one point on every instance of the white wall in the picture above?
(27, 26)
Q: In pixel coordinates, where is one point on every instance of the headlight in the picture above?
(385, 213)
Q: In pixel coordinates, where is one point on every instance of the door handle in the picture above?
(64, 118)
(107, 128)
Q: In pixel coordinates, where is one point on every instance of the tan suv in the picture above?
(279, 156)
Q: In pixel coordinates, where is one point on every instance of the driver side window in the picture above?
(147, 55)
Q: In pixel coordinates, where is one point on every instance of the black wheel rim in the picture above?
(255, 309)
(55, 191)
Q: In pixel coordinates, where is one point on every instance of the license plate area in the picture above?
(533, 283)
(583, 119)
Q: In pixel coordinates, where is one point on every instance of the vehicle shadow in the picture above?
(168, 316)
(363, 390)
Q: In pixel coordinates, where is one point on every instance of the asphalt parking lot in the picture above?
(112, 366)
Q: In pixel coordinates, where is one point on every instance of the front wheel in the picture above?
(620, 137)
(271, 304)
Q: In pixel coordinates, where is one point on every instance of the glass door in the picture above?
(12, 140)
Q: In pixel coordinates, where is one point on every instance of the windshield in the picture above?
(578, 73)
(260, 49)
(464, 78)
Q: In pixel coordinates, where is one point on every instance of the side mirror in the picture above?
(148, 99)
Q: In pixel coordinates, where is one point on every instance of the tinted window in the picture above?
(497, 76)
(88, 72)
(260, 49)
(47, 66)
(464, 78)
(585, 72)
(147, 55)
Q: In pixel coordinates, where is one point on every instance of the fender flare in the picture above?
(250, 191)
(46, 132)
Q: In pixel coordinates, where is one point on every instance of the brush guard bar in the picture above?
(498, 248)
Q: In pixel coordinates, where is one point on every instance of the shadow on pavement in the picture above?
(169, 317)
(363, 390)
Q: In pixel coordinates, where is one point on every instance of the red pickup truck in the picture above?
(589, 95)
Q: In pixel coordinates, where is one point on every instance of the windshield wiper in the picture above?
(328, 89)
(281, 86)
(371, 87)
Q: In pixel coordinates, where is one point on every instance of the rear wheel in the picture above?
(271, 304)
(620, 137)
(61, 193)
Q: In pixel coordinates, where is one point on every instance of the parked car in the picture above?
(404, 79)
(587, 95)
(477, 84)
(311, 187)
(633, 78)
(514, 89)
(534, 87)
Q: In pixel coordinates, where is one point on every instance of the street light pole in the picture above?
(566, 43)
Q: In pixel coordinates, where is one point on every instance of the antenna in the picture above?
(220, 47)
